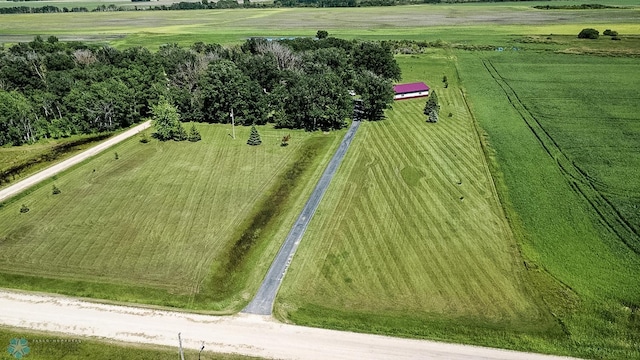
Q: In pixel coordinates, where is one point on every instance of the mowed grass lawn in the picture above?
(158, 224)
(411, 238)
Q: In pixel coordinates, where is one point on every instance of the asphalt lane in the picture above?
(262, 303)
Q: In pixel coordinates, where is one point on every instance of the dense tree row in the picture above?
(55, 89)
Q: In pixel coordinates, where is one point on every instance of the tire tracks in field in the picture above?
(577, 178)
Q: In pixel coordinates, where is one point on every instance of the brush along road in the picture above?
(243, 334)
(60, 167)
(262, 303)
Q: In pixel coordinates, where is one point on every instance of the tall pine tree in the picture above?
(431, 107)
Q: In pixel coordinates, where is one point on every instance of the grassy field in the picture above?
(162, 224)
(456, 23)
(44, 346)
(411, 239)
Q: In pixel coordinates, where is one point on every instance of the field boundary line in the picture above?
(262, 303)
(36, 178)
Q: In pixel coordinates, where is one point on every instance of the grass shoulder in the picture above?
(49, 346)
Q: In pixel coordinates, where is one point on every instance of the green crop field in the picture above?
(158, 224)
(568, 152)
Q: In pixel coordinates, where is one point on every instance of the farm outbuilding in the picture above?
(411, 90)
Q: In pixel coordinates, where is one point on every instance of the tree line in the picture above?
(47, 9)
(53, 89)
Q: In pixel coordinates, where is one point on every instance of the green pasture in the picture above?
(45, 346)
(411, 239)
(565, 138)
(162, 223)
(471, 24)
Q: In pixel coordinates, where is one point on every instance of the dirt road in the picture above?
(244, 333)
(58, 168)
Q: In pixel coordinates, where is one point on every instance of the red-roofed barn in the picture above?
(412, 90)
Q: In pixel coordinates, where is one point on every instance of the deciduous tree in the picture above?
(376, 93)
(166, 121)
(378, 58)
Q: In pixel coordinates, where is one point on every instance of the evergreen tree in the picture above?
(254, 137)
(194, 134)
(431, 107)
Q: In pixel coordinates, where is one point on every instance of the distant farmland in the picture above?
(477, 23)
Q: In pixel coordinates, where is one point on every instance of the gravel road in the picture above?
(262, 303)
(58, 168)
(247, 334)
